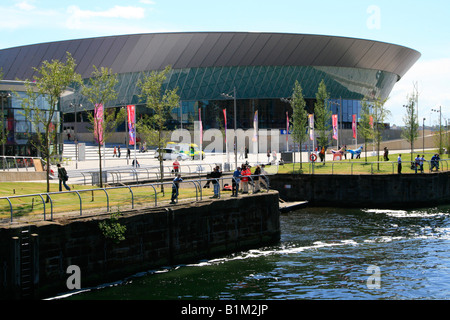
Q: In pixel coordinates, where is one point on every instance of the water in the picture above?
(323, 254)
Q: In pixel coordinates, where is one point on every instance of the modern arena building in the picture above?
(257, 69)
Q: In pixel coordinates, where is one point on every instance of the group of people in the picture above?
(418, 163)
(117, 153)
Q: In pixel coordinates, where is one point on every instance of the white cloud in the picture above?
(78, 18)
(147, 2)
(433, 81)
(25, 5)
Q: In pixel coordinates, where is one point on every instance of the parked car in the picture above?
(171, 154)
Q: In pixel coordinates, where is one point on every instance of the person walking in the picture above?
(399, 164)
(422, 160)
(216, 174)
(256, 178)
(386, 154)
(115, 152)
(176, 166)
(245, 173)
(416, 163)
(118, 151)
(175, 187)
(235, 182)
(63, 177)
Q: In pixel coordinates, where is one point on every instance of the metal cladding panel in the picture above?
(370, 59)
(192, 52)
(21, 60)
(102, 50)
(333, 52)
(280, 46)
(205, 47)
(246, 44)
(142, 62)
(172, 48)
(136, 53)
(228, 56)
(8, 66)
(254, 50)
(215, 51)
(122, 55)
(80, 55)
(265, 57)
(356, 50)
(152, 51)
(85, 64)
(114, 49)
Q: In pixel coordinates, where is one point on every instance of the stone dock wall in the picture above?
(363, 191)
(34, 259)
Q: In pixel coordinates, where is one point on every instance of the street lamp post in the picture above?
(423, 135)
(75, 133)
(440, 128)
(235, 137)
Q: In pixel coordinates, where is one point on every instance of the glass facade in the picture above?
(257, 88)
(19, 131)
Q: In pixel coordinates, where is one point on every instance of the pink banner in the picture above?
(98, 123)
(371, 121)
(354, 126)
(225, 119)
(131, 111)
(335, 126)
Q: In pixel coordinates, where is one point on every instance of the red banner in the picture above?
(335, 126)
(98, 123)
(131, 111)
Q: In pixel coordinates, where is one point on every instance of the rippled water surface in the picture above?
(323, 254)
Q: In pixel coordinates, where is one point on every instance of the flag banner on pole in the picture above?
(287, 126)
(335, 126)
(311, 126)
(225, 119)
(371, 122)
(131, 111)
(354, 126)
(255, 127)
(98, 123)
(201, 125)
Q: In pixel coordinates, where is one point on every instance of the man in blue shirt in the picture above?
(175, 187)
(235, 182)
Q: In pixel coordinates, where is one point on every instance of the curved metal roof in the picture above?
(142, 52)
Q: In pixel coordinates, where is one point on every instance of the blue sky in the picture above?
(421, 25)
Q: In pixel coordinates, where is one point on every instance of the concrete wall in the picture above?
(365, 191)
(8, 176)
(154, 238)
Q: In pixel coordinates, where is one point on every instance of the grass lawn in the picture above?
(357, 166)
(119, 199)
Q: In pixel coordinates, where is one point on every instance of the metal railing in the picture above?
(428, 164)
(50, 196)
(16, 163)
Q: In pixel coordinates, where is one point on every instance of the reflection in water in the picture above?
(324, 253)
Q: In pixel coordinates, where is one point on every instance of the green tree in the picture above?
(99, 90)
(380, 115)
(52, 79)
(322, 115)
(299, 117)
(365, 125)
(411, 130)
(160, 103)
